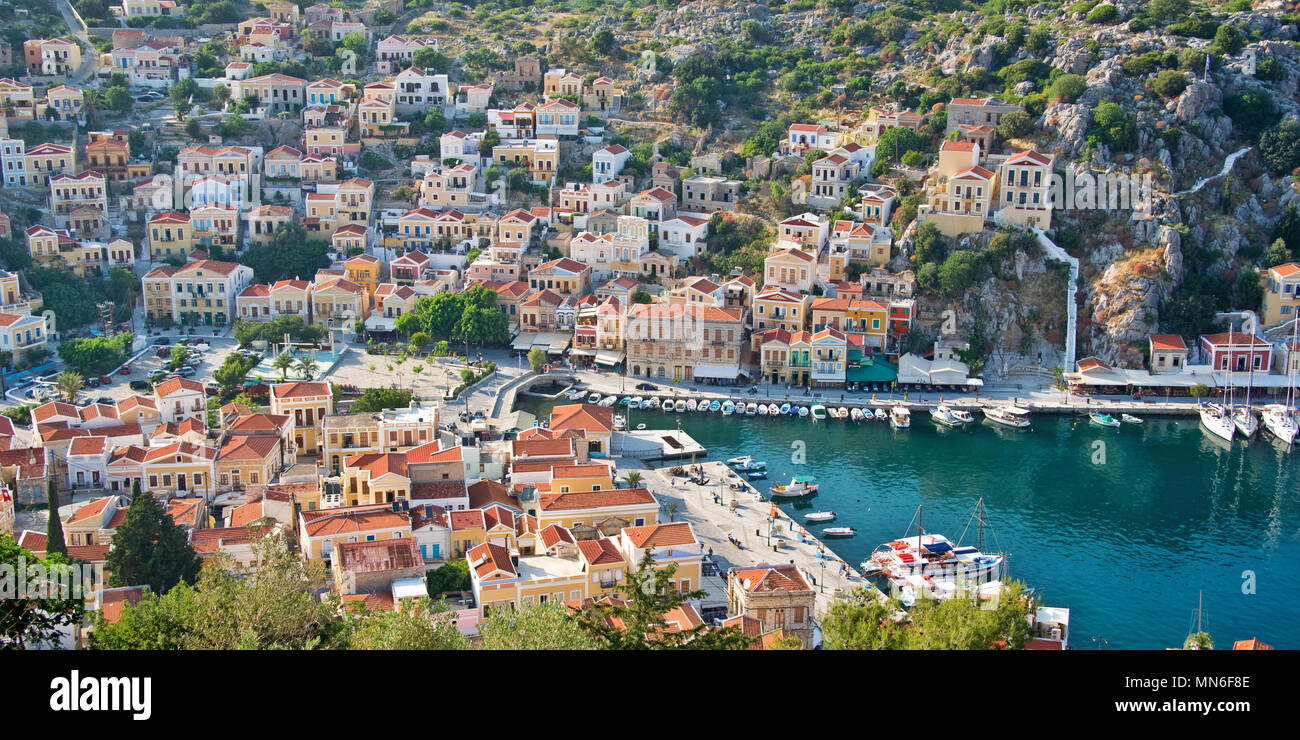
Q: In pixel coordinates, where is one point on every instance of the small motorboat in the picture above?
(839, 532)
(636, 403)
(751, 409)
(620, 422)
(1130, 419)
(609, 401)
(746, 463)
(855, 414)
(944, 415)
(1103, 420)
(962, 415)
(640, 426)
(573, 395)
(624, 401)
(690, 405)
(651, 403)
(803, 411)
(799, 485)
(593, 398)
(756, 474)
(680, 405)
(900, 417)
(817, 411)
(702, 406)
(820, 516)
(881, 415)
(715, 405)
(728, 408)
(785, 409)
(761, 410)
(842, 413)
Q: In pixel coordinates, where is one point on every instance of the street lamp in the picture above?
(821, 582)
(769, 531)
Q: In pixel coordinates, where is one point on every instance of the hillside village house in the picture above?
(961, 193)
(977, 111)
(170, 235)
(199, 293)
(778, 596)
(43, 161)
(1025, 182)
(685, 342)
(309, 403)
(22, 334)
(1281, 293)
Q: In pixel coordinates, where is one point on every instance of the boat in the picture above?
(785, 408)
(900, 417)
(1280, 418)
(1217, 421)
(855, 414)
(1245, 421)
(1280, 422)
(803, 411)
(1103, 420)
(625, 401)
(651, 403)
(690, 405)
(756, 475)
(751, 409)
(573, 394)
(881, 415)
(640, 426)
(1130, 419)
(762, 409)
(593, 398)
(818, 412)
(620, 422)
(1008, 416)
(702, 406)
(728, 408)
(839, 532)
(668, 406)
(819, 516)
(935, 556)
(962, 415)
(746, 463)
(841, 413)
(609, 401)
(636, 403)
(715, 405)
(799, 485)
(680, 406)
(943, 415)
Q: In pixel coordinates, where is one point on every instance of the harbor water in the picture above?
(1123, 526)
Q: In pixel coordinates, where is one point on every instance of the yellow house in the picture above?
(605, 511)
(375, 478)
(180, 469)
(319, 531)
(1281, 293)
(596, 423)
(364, 270)
(244, 460)
(170, 235)
(308, 403)
(672, 543)
(338, 302)
(792, 269)
(775, 306)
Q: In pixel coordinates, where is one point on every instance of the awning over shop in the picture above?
(609, 357)
(381, 323)
(975, 383)
(523, 342)
(721, 372)
(582, 353)
(556, 343)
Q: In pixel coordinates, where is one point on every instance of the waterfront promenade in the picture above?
(749, 524)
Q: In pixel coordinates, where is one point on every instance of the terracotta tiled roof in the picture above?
(770, 578)
(600, 552)
(328, 522)
(595, 499)
(661, 535)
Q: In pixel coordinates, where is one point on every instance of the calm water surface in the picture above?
(1124, 533)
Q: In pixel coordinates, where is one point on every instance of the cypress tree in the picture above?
(149, 549)
(54, 528)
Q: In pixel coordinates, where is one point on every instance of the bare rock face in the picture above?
(1196, 100)
(274, 132)
(1068, 123)
(1125, 305)
(1072, 58)
(984, 54)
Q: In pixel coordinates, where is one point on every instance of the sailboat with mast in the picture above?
(1280, 419)
(1243, 417)
(1217, 418)
(934, 557)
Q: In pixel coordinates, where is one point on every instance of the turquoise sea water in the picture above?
(1124, 533)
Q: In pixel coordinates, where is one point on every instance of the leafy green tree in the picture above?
(1228, 40)
(306, 368)
(1015, 124)
(604, 43)
(960, 271)
(420, 340)
(378, 399)
(1169, 83)
(288, 255)
(1114, 127)
(547, 626)
(897, 140)
(863, 622)
(639, 623)
(54, 543)
(1067, 88)
(929, 245)
(149, 549)
(29, 622)
(536, 359)
(430, 58)
(1252, 111)
(417, 626)
(96, 355)
(450, 578)
(233, 371)
(1279, 147)
(1277, 254)
(1287, 227)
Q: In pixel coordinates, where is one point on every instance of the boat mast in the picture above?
(979, 539)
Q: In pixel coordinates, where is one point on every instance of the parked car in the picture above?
(162, 340)
(163, 353)
(105, 400)
(211, 390)
(106, 380)
(90, 383)
(157, 375)
(186, 371)
(124, 370)
(140, 385)
(646, 386)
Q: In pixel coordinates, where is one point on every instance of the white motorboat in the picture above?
(620, 422)
(1280, 422)
(762, 409)
(593, 398)
(1103, 420)
(841, 413)
(819, 516)
(1217, 421)
(702, 406)
(880, 415)
(668, 406)
(855, 414)
(936, 557)
(609, 401)
(799, 485)
(742, 460)
(962, 415)
(728, 408)
(1008, 416)
(900, 417)
(651, 403)
(839, 532)
(944, 415)
(1130, 419)
(751, 409)
(690, 405)
(636, 403)
(803, 410)
(680, 406)
(818, 412)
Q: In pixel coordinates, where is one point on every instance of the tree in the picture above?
(1067, 88)
(634, 479)
(306, 367)
(603, 42)
(897, 140)
(1279, 147)
(288, 255)
(1015, 124)
(450, 578)
(960, 271)
(1277, 254)
(233, 371)
(536, 359)
(1228, 40)
(547, 626)
(417, 626)
(1169, 83)
(420, 340)
(54, 527)
(930, 245)
(69, 384)
(1287, 227)
(378, 399)
(863, 622)
(639, 623)
(96, 355)
(1252, 111)
(149, 549)
(1199, 390)
(1114, 127)
(32, 618)
(430, 58)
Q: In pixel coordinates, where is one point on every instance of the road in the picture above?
(89, 56)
